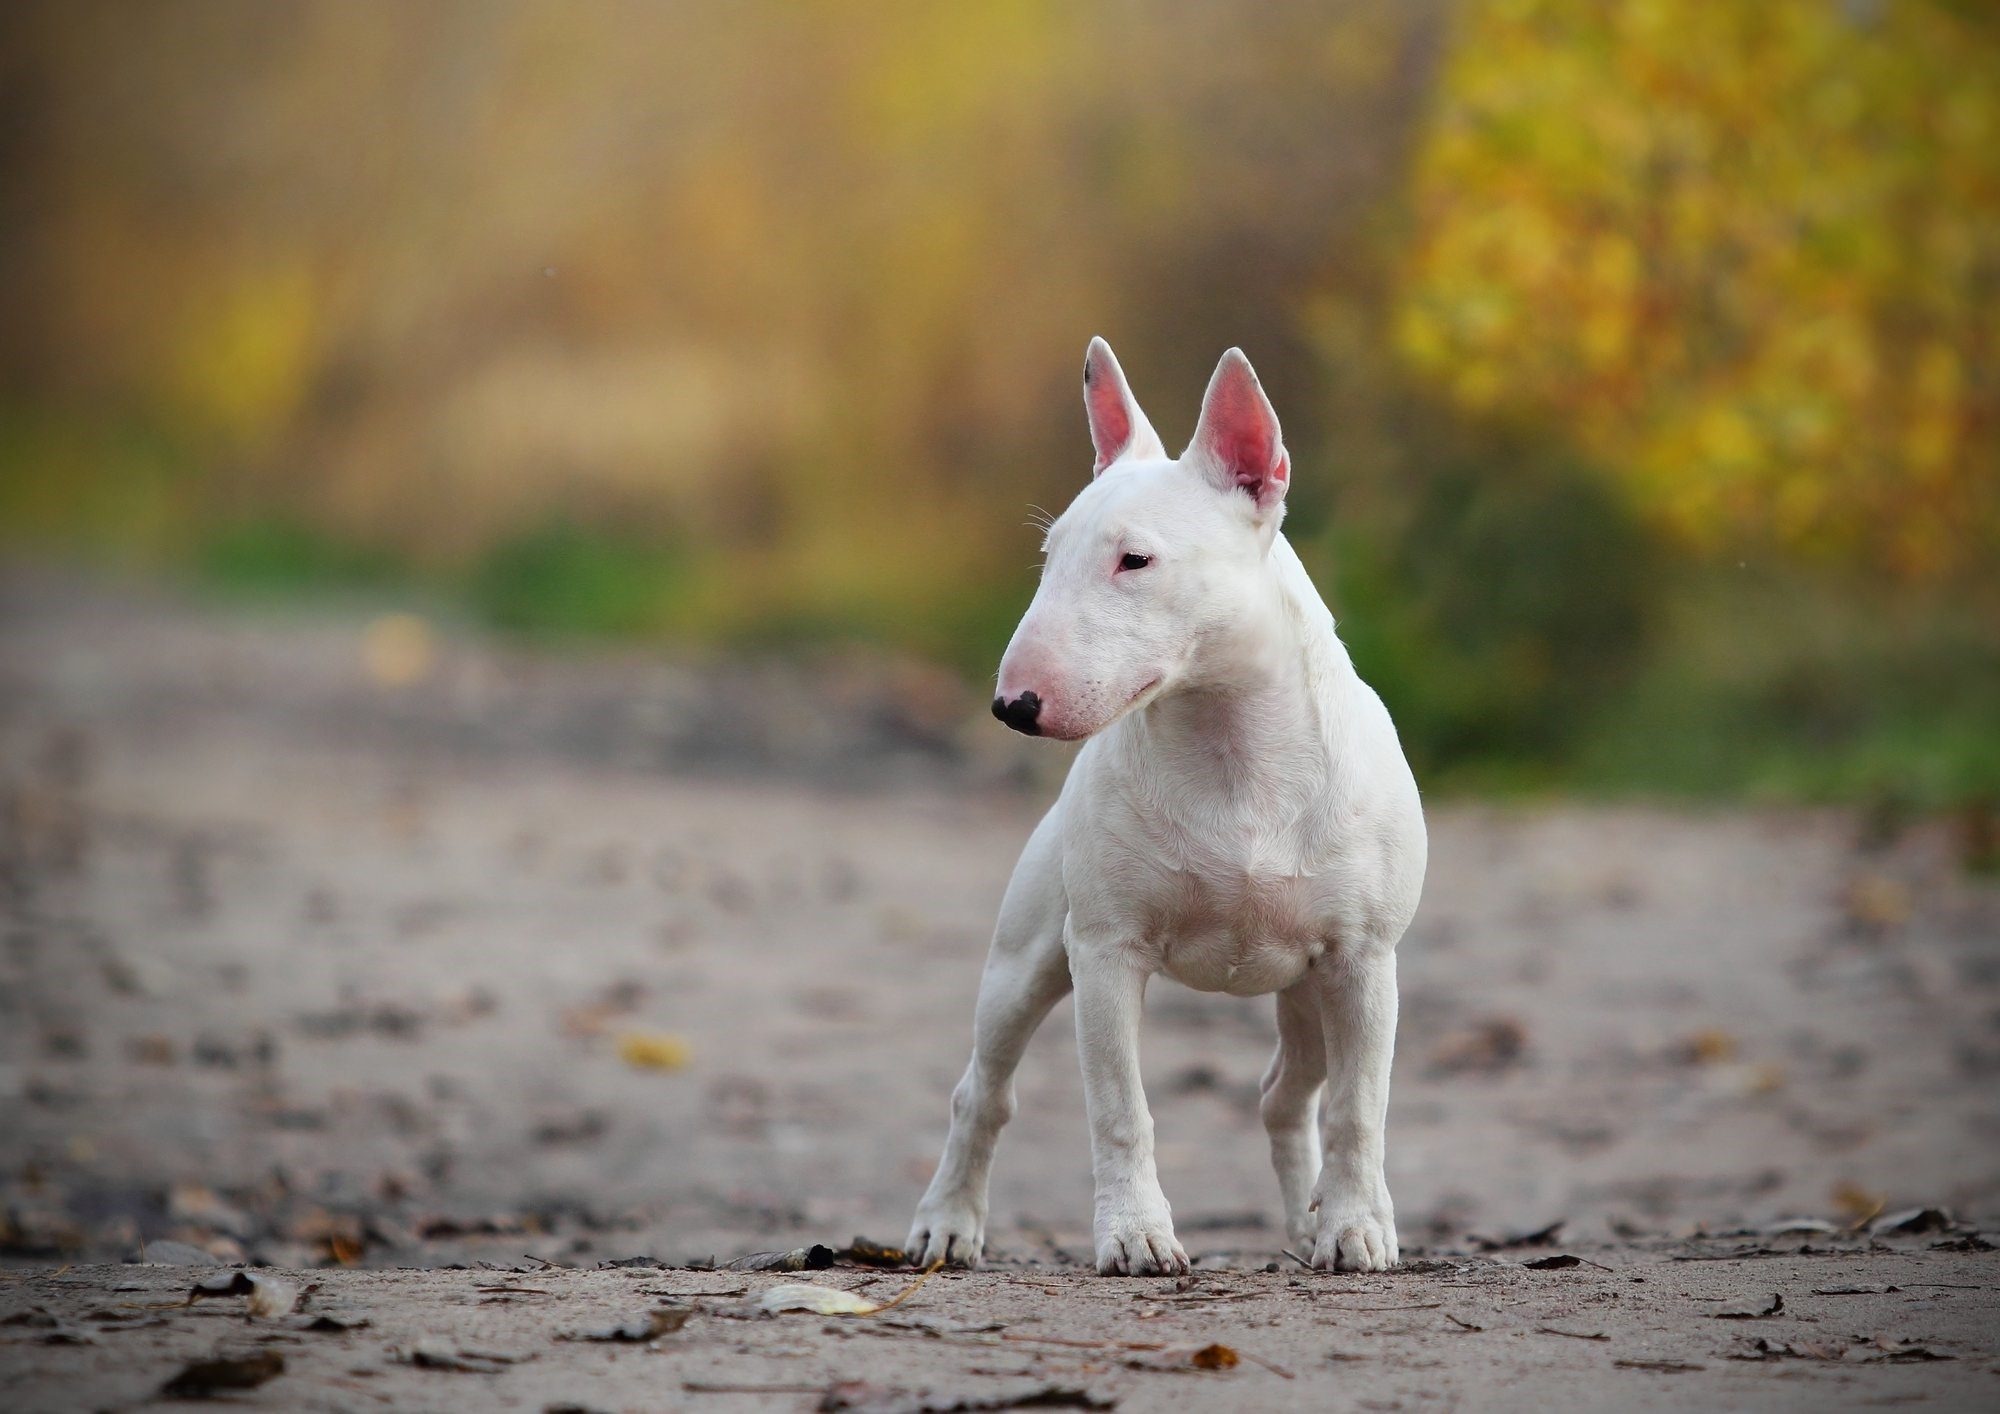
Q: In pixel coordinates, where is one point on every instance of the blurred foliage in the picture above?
(1748, 254)
(267, 557)
(1789, 687)
(757, 325)
(1460, 594)
(563, 580)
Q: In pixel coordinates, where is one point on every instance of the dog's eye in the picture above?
(1135, 562)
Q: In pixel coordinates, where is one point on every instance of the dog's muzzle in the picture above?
(1020, 714)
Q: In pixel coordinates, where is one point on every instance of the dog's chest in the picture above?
(1250, 935)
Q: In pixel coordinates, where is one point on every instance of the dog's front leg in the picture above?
(1133, 1226)
(1357, 1222)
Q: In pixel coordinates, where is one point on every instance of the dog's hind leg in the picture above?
(1027, 973)
(1290, 1103)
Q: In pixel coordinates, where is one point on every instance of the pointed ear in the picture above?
(1117, 427)
(1237, 441)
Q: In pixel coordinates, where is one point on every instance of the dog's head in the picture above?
(1157, 565)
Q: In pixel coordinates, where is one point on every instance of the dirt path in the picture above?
(591, 958)
(1644, 1332)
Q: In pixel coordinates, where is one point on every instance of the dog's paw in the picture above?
(1356, 1236)
(945, 1231)
(1139, 1243)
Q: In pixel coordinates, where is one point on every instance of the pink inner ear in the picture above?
(1240, 433)
(1110, 418)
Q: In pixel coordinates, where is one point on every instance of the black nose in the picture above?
(1020, 714)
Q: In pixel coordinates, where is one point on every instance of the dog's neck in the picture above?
(1261, 715)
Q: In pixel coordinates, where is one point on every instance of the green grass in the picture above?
(1783, 689)
(273, 557)
(564, 580)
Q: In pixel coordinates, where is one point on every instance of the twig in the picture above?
(1273, 1368)
(910, 1290)
(1573, 1335)
(1297, 1258)
(703, 1387)
(1466, 1325)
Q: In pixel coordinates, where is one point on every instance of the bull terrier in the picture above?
(1240, 818)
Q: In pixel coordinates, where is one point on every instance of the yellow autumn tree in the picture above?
(1747, 255)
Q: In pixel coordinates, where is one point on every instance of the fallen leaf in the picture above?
(433, 1352)
(654, 1050)
(1895, 1352)
(270, 1297)
(150, 1050)
(1874, 902)
(449, 1227)
(397, 649)
(819, 1300)
(1540, 1237)
(68, 1335)
(1776, 1308)
(1486, 1048)
(578, 1127)
(1215, 1357)
(40, 1317)
(829, 1301)
(816, 1258)
(1762, 1349)
(1785, 1226)
(201, 1378)
(650, 1325)
(335, 1323)
(875, 1254)
(1552, 1264)
(1971, 1242)
(861, 1397)
(1914, 1220)
(1709, 1046)
(1661, 1367)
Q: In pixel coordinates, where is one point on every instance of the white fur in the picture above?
(1240, 818)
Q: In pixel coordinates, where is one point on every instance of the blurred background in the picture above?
(509, 511)
(1639, 360)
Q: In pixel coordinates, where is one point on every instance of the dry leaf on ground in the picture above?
(819, 1300)
(654, 1050)
(650, 1325)
(1776, 1308)
(875, 1254)
(270, 1296)
(816, 1258)
(201, 1378)
(434, 1352)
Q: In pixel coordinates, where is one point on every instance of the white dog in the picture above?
(1241, 819)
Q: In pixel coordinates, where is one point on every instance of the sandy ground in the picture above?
(331, 947)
